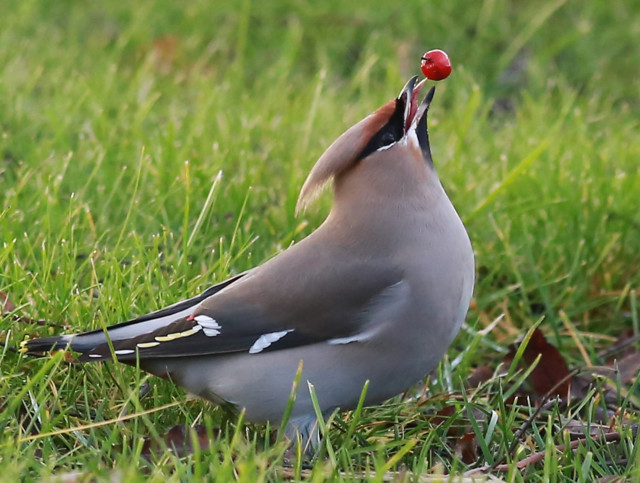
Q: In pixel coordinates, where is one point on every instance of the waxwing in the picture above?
(377, 293)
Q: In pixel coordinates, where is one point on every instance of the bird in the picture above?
(375, 295)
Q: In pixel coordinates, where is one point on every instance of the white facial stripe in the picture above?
(266, 340)
(384, 148)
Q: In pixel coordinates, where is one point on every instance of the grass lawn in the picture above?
(148, 150)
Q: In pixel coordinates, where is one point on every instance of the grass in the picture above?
(148, 151)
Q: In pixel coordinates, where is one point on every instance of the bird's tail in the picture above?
(88, 341)
(45, 344)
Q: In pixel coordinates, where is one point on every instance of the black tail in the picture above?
(43, 345)
(88, 341)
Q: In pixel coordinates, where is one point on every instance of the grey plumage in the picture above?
(377, 292)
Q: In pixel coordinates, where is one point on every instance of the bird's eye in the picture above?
(389, 134)
(387, 138)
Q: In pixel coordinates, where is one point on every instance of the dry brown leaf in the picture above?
(466, 448)
(479, 375)
(550, 376)
(579, 429)
(625, 344)
(6, 305)
(179, 440)
(629, 367)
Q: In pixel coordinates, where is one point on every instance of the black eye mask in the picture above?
(390, 133)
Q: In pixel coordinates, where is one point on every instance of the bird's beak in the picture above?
(408, 96)
(415, 116)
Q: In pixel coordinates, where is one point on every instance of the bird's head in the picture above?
(393, 139)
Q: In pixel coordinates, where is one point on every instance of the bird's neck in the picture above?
(384, 216)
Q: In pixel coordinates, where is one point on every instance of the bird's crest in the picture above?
(343, 154)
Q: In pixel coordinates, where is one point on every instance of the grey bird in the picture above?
(377, 293)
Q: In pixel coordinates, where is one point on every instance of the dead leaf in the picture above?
(580, 429)
(6, 305)
(179, 440)
(623, 345)
(611, 479)
(466, 448)
(443, 415)
(551, 375)
(629, 367)
(479, 375)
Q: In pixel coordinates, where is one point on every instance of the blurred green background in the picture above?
(102, 103)
(116, 118)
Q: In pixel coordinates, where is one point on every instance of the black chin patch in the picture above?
(422, 131)
(390, 133)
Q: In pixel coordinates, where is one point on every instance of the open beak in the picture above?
(409, 95)
(415, 116)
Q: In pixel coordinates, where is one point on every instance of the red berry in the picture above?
(436, 65)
